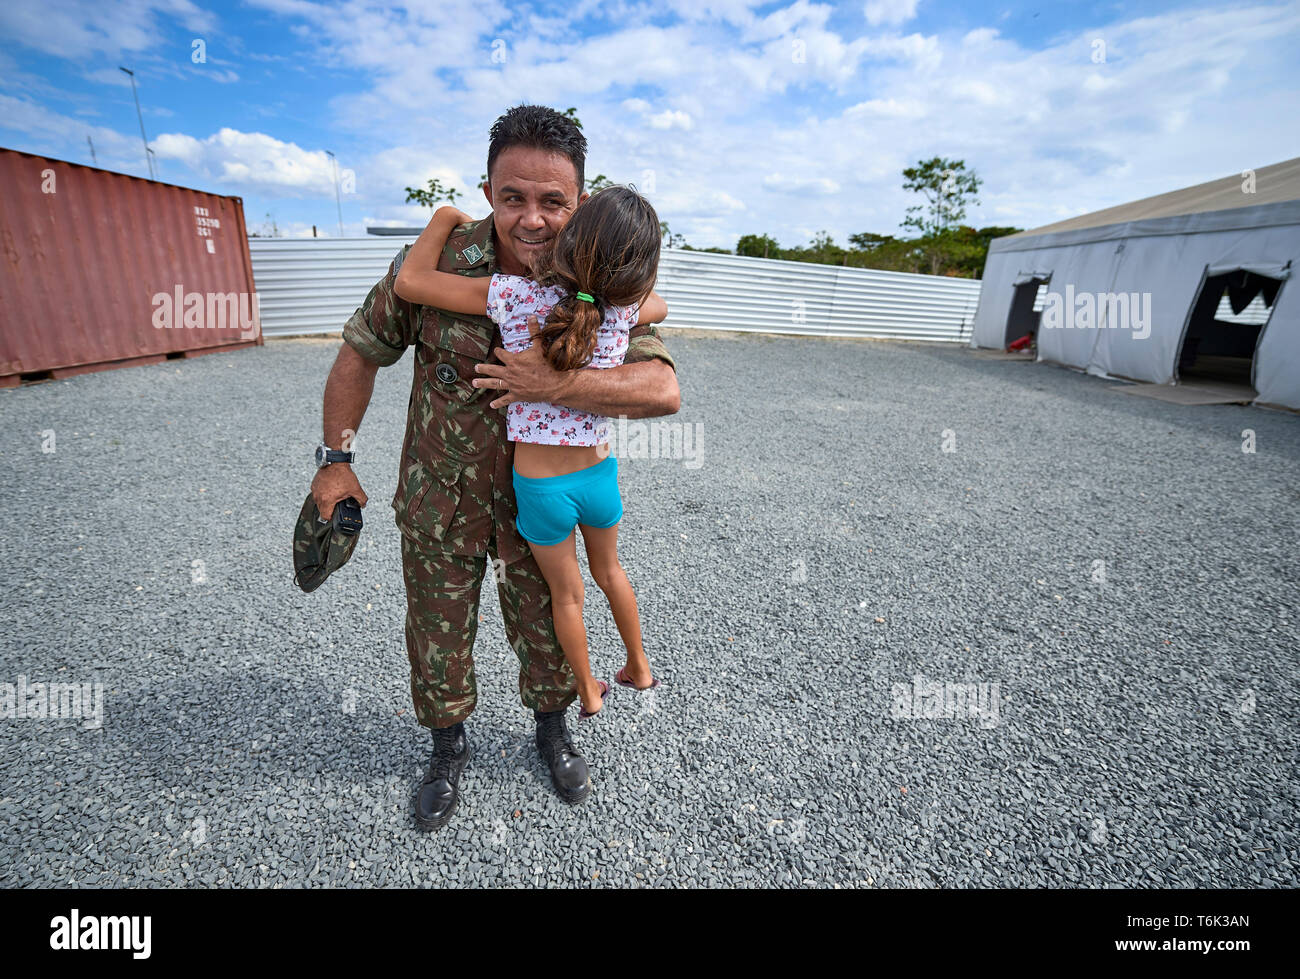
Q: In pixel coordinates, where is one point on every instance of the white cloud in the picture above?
(917, 50)
(1097, 82)
(670, 119)
(799, 18)
(80, 29)
(296, 229)
(980, 37)
(667, 119)
(892, 12)
(800, 185)
(252, 161)
(732, 126)
(697, 202)
(49, 133)
(907, 109)
(982, 92)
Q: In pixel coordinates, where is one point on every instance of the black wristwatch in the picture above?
(325, 455)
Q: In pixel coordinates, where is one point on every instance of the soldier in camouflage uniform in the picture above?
(455, 503)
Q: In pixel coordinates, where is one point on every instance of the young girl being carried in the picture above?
(588, 291)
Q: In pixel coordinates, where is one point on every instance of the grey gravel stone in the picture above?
(826, 552)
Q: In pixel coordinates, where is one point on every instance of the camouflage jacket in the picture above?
(455, 488)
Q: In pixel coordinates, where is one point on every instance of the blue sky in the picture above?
(733, 116)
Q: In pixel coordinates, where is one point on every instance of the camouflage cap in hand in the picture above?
(319, 549)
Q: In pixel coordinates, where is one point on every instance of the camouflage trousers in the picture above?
(442, 603)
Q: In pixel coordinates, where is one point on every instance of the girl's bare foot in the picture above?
(637, 674)
(590, 693)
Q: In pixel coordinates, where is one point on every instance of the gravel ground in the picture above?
(1119, 568)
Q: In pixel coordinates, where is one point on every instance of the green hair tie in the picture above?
(584, 297)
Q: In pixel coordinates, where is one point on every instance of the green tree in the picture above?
(572, 113)
(824, 250)
(966, 249)
(758, 246)
(986, 235)
(598, 182)
(867, 241)
(947, 188)
(430, 197)
(269, 228)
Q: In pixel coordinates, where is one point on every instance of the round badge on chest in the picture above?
(446, 373)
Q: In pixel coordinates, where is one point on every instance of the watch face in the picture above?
(320, 456)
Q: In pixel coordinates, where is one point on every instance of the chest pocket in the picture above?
(456, 422)
(451, 348)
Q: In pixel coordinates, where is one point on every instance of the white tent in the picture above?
(1158, 290)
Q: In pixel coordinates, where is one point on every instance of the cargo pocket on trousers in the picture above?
(434, 492)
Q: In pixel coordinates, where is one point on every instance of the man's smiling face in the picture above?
(533, 192)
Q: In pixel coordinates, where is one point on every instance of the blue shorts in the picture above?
(549, 508)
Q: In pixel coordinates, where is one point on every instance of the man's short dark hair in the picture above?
(542, 128)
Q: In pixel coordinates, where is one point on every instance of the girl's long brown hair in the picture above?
(609, 249)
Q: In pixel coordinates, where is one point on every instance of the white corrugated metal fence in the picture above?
(312, 285)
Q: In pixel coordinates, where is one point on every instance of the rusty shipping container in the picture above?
(106, 270)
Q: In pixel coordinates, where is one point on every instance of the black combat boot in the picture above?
(568, 769)
(435, 799)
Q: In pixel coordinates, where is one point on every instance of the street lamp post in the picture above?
(147, 158)
(337, 199)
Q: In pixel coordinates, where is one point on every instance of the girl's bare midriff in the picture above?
(543, 461)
